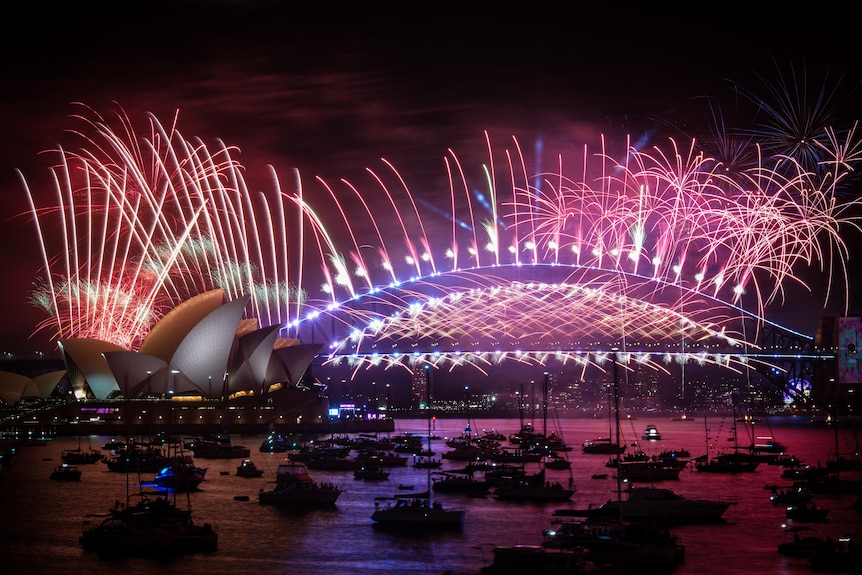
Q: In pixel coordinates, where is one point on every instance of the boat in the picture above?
(767, 444)
(277, 443)
(294, 486)
(493, 435)
(602, 445)
(451, 482)
(651, 433)
(555, 461)
(538, 560)
(469, 452)
(180, 475)
(631, 545)
(333, 463)
(515, 456)
(533, 488)
(845, 557)
(248, 469)
(66, 472)
(656, 504)
(803, 541)
(371, 472)
(649, 471)
(220, 450)
(418, 510)
(674, 454)
(114, 445)
(806, 512)
(136, 458)
(381, 458)
(790, 496)
(496, 473)
(632, 456)
(149, 527)
(606, 445)
(735, 461)
(79, 456)
(427, 463)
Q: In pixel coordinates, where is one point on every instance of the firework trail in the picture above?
(661, 245)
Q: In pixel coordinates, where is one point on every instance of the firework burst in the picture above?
(662, 246)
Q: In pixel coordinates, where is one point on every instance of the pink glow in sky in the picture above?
(295, 89)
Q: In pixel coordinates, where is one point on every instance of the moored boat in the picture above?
(137, 458)
(149, 527)
(418, 510)
(219, 450)
(651, 433)
(533, 488)
(415, 510)
(248, 469)
(448, 482)
(804, 542)
(649, 471)
(602, 445)
(294, 486)
(81, 457)
(659, 505)
(66, 472)
(642, 546)
(736, 462)
(181, 475)
(371, 473)
(538, 560)
(806, 512)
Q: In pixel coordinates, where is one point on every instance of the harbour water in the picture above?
(40, 519)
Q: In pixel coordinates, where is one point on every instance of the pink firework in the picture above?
(661, 246)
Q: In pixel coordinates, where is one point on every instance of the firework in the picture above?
(662, 247)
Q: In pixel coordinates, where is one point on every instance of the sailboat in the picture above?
(418, 509)
(535, 487)
(732, 462)
(632, 545)
(79, 456)
(147, 524)
(605, 445)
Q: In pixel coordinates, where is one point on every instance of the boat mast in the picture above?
(706, 439)
(521, 409)
(428, 407)
(545, 407)
(616, 398)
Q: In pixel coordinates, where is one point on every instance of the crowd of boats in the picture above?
(634, 528)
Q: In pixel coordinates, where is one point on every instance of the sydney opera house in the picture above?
(202, 368)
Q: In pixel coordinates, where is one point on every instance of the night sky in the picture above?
(331, 90)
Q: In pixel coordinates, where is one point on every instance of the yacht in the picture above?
(415, 510)
(293, 485)
(602, 445)
(657, 504)
(248, 469)
(148, 527)
(632, 545)
(66, 472)
(651, 433)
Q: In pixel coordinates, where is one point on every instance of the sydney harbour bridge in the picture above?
(663, 257)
